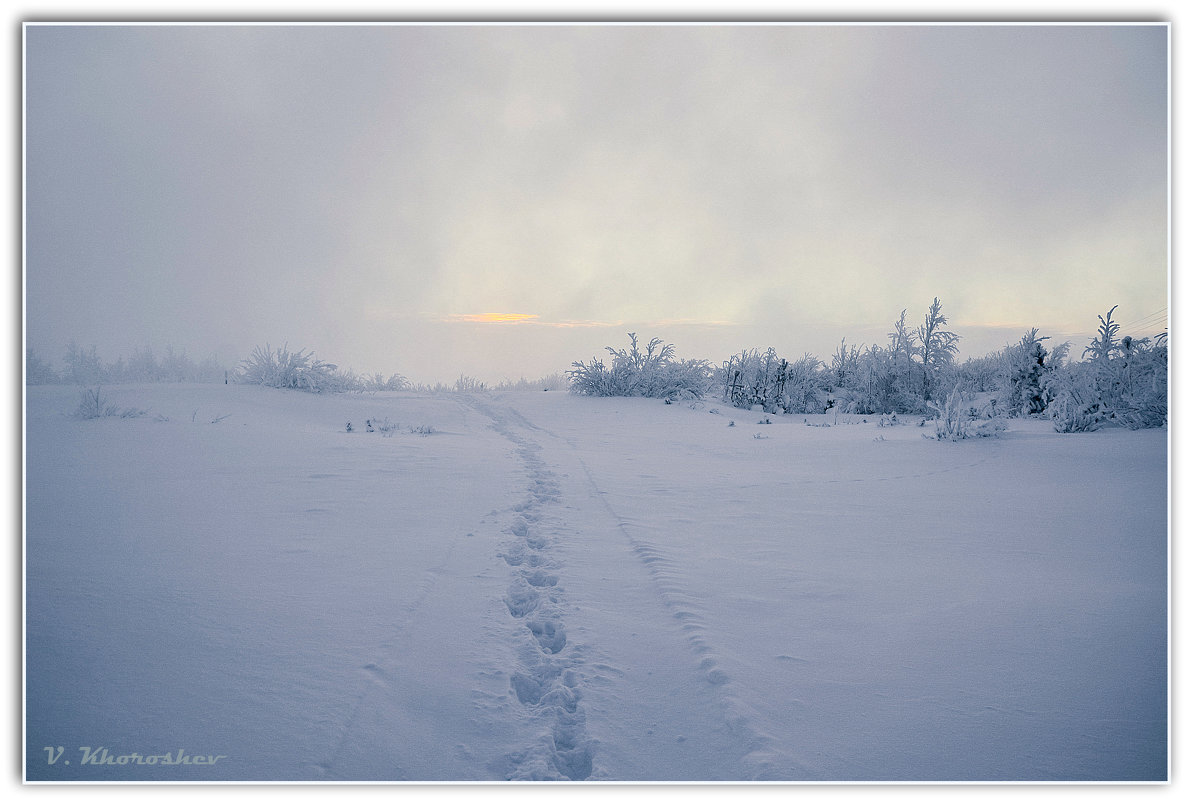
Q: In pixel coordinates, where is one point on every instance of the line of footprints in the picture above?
(548, 682)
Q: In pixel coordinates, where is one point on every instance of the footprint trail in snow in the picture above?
(547, 681)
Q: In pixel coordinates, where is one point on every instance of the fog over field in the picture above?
(499, 200)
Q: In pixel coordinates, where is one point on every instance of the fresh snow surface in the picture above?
(549, 587)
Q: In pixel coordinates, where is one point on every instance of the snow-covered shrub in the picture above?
(385, 426)
(650, 372)
(804, 387)
(683, 379)
(377, 383)
(1077, 405)
(590, 379)
(954, 420)
(866, 388)
(767, 381)
(92, 405)
(285, 369)
(1122, 380)
(1141, 399)
(980, 374)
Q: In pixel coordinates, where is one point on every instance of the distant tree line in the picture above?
(1120, 380)
(83, 366)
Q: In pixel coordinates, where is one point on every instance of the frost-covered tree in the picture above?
(1105, 345)
(905, 376)
(210, 371)
(115, 372)
(83, 366)
(937, 348)
(38, 371)
(177, 367)
(844, 365)
(1025, 375)
(142, 366)
(902, 344)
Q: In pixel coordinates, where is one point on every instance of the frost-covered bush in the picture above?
(1140, 377)
(957, 419)
(377, 383)
(881, 383)
(1077, 405)
(285, 369)
(759, 379)
(92, 405)
(866, 387)
(650, 372)
(1122, 381)
(980, 374)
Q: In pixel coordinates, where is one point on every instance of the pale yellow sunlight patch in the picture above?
(494, 317)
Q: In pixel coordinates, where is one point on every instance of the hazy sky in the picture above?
(381, 194)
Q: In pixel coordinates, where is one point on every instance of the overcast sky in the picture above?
(501, 200)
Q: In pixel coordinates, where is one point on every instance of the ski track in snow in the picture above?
(740, 720)
(547, 680)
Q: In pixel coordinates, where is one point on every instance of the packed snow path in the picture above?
(533, 586)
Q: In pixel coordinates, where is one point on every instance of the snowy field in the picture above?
(537, 586)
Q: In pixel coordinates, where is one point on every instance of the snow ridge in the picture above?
(547, 683)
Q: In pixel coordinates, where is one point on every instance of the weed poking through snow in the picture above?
(92, 405)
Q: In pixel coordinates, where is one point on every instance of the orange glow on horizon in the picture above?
(495, 317)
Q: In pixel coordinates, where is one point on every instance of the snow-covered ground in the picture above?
(555, 587)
